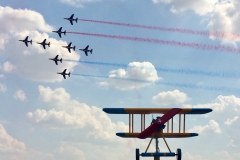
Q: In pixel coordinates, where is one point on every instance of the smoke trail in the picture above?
(165, 42)
(182, 85)
(168, 70)
(166, 29)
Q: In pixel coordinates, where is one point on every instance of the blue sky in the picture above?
(44, 117)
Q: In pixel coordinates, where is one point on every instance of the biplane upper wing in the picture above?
(155, 110)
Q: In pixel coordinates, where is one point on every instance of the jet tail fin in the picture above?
(61, 60)
(30, 41)
(69, 74)
(64, 32)
(91, 51)
(74, 48)
(48, 44)
(76, 20)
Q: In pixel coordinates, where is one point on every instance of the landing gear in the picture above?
(137, 154)
(179, 154)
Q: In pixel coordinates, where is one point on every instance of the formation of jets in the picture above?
(69, 46)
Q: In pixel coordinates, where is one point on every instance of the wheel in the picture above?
(137, 154)
(179, 154)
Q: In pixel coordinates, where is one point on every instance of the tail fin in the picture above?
(74, 48)
(69, 74)
(49, 44)
(91, 51)
(61, 60)
(30, 41)
(76, 20)
(64, 32)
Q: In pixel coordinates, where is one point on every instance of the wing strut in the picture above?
(149, 143)
(166, 144)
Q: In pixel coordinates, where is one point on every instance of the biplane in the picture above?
(155, 130)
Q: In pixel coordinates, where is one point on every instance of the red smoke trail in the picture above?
(166, 29)
(166, 42)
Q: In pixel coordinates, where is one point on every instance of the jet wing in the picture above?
(87, 47)
(69, 49)
(59, 34)
(71, 22)
(44, 46)
(26, 44)
(86, 53)
(56, 62)
(64, 76)
(64, 70)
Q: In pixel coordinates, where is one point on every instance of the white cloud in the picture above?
(221, 103)
(212, 127)
(232, 144)
(8, 144)
(188, 156)
(200, 7)
(8, 67)
(20, 94)
(230, 121)
(223, 155)
(2, 87)
(69, 152)
(32, 61)
(223, 16)
(170, 97)
(78, 3)
(68, 113)
(137, 74)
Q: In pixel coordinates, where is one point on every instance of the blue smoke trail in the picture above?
(170, 70)
(182, 85)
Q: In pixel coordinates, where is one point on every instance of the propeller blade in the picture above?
(158, 123)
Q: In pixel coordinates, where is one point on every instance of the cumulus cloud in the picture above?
(221, 103)
(78, 3)
(75, 116)
(3, 88)
(20, 94)
(223, 16)
(200, 7)
(188, 156)
(8, 67)
(137, 75)
(212, 127)
(69, 152)
(170, 97)
(8, 144)
(31, 62)
(230, 121)
(222, 155)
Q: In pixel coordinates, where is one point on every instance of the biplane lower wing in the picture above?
(158, 135)
(155, 110)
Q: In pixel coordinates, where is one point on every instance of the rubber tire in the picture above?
(179, 154)
(137, 154)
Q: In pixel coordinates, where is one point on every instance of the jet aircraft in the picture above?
(26, 41)
(69, 47)
(56, 59)
(60, 32)
(44, 43)
(86, 50)
(71, 19)
(64, 73)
